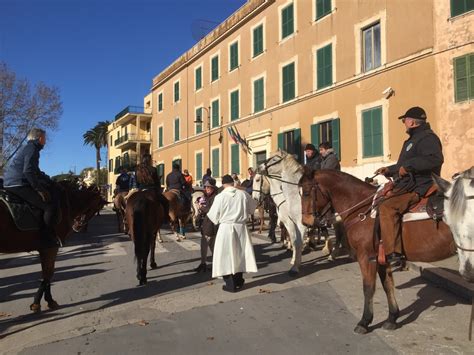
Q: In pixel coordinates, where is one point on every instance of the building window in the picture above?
(459, 7)
(287, 21)
(290, 142)
(198, 166)
(258, 95)
(176, 91)
(198, 118)
(464, 78)
(234, 159)
(215, 162)
(260, 157)
(371, 49)
(111, 165)
(372, 135)
(234, 56)
(288, 82)
(160, 169)
(258, 40)
(215, 113)
(176, 129)
(324, 67)
(198, 78)
(215, 68)
(327, 131)
(323, 7)
(160, 102)
(160, 136)
(234, 105)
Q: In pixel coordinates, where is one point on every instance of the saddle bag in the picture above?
(435, 206)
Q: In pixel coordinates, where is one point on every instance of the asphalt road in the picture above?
(180, 312)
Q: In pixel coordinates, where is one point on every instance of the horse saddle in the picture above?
(25, 216)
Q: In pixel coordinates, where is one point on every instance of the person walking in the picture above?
(233, 251)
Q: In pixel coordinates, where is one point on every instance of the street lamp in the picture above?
(199, 120)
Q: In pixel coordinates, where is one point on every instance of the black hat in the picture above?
(227, 179)
(310, 146)
(415, 112)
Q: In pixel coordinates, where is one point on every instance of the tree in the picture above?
(97, 137)
(23, 108)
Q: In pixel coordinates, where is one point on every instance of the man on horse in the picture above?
(420, 156)
(122, 184)
(175, 181)
(24, 179)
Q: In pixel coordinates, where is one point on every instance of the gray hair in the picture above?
(419, 121)
(35, 133)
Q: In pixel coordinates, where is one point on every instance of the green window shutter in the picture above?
(471, 75)
(234, 55)
(234, 159)
(324, 66)
(199, 125)
(160, 102)
(215, 162)
(176, 129)
(280, 141)
(288, 76)
(287, 23)
(336, 136)
(234, 105)
(372, 133)
(367, 134)
(297, 143)
(198, 166)
(459, 7)
(258, 40)
(215, 113)
(258, 95)
(160, 136)
(161, 172)
(461, 78)
(215, 68)
(377, 131)
(176, 91)
(315, 135)
(198, 78)
(323, 7)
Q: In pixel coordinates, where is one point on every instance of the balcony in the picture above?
(131, 110)
(132, 138)
(128, 162)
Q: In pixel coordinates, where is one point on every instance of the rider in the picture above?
(175, 181)
(420, 156)
(123, 181)
(24, 179)
(313, 159)
(206, 176)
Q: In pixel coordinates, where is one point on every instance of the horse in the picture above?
(179, 213)
(119, 202)
(284, 173)
(77, 207)
(459, 215)
(324, 191)
(144, 215)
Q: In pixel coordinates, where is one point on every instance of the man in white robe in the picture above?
(233, 250)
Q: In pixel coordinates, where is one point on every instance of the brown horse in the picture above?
(144, 215)
(327, 191)
(119, 208)
(179, 213)
(77, 207)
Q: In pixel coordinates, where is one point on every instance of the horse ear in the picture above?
(442, 184)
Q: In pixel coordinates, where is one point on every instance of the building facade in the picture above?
(283, 73)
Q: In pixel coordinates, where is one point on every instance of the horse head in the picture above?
(260, 187)
(459, 215)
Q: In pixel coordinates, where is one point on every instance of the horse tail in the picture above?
(139, 237)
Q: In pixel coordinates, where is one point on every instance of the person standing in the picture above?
(329, 159)
(313, 159)
(233, 251)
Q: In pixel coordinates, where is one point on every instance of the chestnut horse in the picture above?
(179, 213)
(119, 208)
(327, 191)
(77, 207)
(144, 215)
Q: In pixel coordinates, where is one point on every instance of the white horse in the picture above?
(459, 215)
(284, 173)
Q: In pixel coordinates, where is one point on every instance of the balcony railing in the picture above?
(128, 162)
(133, 137)
(130, 109)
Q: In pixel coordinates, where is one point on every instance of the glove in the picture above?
(402, 171)
(45, 196)
(382, 171)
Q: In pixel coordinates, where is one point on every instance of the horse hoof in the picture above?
(35, 307)
(360, 329)
(153, 266)
(53, 305)
(142, 282)
(389, 325)
(293, 273)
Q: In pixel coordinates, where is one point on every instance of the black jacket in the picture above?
(314, 163)
(421, 155)
(123, 182)
(24, 169)
(208, 228)
(175, 180)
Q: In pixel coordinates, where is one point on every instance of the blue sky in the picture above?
(102, 54)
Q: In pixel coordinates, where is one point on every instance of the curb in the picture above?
(443, 278)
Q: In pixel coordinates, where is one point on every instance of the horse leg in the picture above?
(158, 235)
(152, 252)
(297, 243)
(182, 227)
(368, 271)
(48, 258)
(386, 277)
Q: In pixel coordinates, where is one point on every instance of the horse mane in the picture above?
(457, 200)
(291, 163)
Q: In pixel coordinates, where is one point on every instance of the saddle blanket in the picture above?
(25, 218)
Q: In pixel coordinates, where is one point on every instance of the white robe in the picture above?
(233, 250)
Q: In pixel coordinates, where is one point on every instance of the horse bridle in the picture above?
(314, 195)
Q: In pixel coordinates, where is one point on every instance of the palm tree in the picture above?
(97, 137)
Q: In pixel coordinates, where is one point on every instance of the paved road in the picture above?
(102, 311)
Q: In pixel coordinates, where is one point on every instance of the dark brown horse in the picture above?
(144, 215)
(77, 207)
(327, 191)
